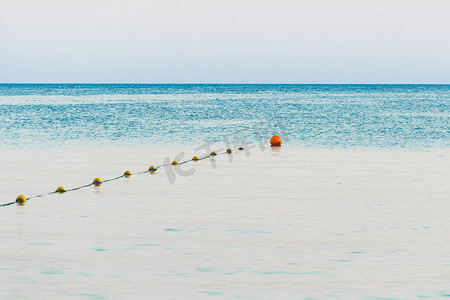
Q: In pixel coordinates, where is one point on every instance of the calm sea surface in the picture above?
(343, 210)
(392, 116)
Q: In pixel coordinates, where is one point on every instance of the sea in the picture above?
(353, 205)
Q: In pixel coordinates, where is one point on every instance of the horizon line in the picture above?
(218, 83)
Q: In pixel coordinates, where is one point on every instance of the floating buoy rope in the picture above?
(21, 200)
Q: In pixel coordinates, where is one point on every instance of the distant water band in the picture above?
(387, 116)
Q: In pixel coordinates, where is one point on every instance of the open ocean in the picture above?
(386, 116)
(354, 205)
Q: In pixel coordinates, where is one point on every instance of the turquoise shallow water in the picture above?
(388, 116)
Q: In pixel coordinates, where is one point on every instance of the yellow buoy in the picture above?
(229, 150)
(97, 182)
(60, 189)
(213, 153)
(152, 168)
(127, 173)
(21, 200)
(195, 158)
(174, 163)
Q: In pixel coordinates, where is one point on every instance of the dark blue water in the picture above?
(336, 116)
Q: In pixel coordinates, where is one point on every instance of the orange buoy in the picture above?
(275, 140)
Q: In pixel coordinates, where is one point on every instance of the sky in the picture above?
(233, 41)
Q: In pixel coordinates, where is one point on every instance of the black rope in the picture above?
(38, 196)
(79, 188)
(115, 178)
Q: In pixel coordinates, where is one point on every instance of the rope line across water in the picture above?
(21, 200)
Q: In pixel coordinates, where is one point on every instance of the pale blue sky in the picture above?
(211, 41)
